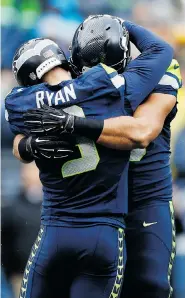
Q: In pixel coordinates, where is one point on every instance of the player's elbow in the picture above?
(168, 49)
(142, 138)
(164, 46)
(164, 52)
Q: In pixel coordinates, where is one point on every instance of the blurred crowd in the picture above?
(21, 189)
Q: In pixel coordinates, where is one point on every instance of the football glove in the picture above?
(48, 147)
(48, 121)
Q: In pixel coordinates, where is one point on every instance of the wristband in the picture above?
(90, 128)
(23, 152)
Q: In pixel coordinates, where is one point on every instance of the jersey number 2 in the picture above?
(89, 155)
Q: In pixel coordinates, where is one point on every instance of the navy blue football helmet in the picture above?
(100, 39)
(35, 58)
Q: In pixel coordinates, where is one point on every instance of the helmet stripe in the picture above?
(32, 52)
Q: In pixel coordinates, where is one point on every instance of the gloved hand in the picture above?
(46, 147)
(48, 121)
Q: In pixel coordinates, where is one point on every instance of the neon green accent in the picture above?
(108, 69)
(88, 162)
(29, 263)
(172, 257)
(89, 155)
(137, 154)
(147, 224)
(174, 69)
(120, 266)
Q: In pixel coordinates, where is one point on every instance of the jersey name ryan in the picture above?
(66, 94)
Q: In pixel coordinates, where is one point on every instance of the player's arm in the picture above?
(16, 153)
(29, 148)
(124, 133)
(148, 118)
(143, 73)
(138, 131)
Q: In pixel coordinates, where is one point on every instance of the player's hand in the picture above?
(48, 121)
(49, 147)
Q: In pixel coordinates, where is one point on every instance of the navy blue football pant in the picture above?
(150, 245)
(75, 262)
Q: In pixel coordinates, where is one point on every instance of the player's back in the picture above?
(149, 170)
(85, 186)
(151, 177)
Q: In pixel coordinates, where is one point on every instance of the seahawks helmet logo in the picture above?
(33, 76)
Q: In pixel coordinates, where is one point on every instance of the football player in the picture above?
(80, 191)
(150, 234)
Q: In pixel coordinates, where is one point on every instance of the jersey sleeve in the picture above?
(16, 123)
(19, 101)
(171, 82)
(16, 103)
(144, 72)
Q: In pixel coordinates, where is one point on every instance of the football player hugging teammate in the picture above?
(98, 128)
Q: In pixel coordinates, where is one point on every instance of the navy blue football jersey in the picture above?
(83, 188)
(149, 170)
(89, 184)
